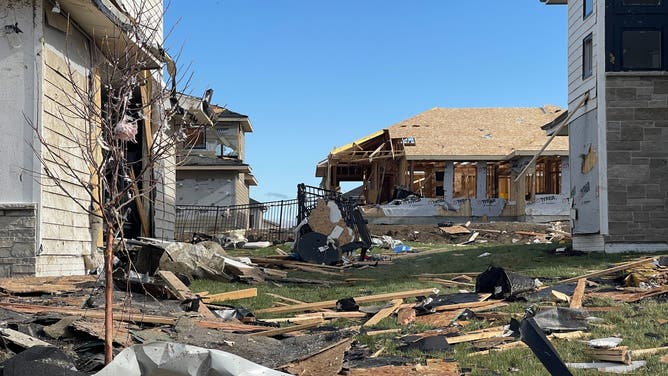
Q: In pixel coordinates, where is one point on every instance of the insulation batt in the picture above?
(126, 130)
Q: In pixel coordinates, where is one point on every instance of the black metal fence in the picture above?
(267, 221)
(273, 221)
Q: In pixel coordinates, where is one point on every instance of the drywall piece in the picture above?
(609, 366)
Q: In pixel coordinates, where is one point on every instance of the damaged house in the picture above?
(211, 171)
(51, 52)
(618, 103)
(462, 162)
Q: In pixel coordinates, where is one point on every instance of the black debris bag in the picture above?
(426, 344)
(502, 284)
(428, 304)
(347, 305)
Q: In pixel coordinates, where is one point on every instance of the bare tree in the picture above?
(123, 106)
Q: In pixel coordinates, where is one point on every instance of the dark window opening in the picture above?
(587, 57)
(588, 8)
(195, 138)
(408, 141)
(641, 49)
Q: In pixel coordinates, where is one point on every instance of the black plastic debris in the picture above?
(428, 304)
(545, 294)
(502, 284)
(313, 247)
(40, 361)
(562, 319)
(426, 344)
(347, 305)
(531, 334)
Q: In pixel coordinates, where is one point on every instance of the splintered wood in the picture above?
(435, 367)
(182, 291)
(44, 285)
(327, 361)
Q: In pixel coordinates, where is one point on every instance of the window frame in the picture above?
(587, 12)
(588, 48)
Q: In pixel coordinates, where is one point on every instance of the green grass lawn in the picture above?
(636, 323)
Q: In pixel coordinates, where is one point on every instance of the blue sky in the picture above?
(313, 75)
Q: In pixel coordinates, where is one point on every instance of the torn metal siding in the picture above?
(584, 175)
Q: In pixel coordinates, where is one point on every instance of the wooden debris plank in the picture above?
(383, 331)
(448, 282)
(95, 328)
(383, 313)
(405, 315)
(361, 299)
(487, 230)
(276, 261)
(47, 285)
(454, 307)
(446, 275)
(125, 316)
(327, 361)
(609, 270)
(183, 292)
(529, 233)
(455, 230)
(632, 297)
(288, 329)
(505, 346)
(293, 301)
(335, 315)
(471, 239)
(474, 336)
(311, 269)
(560, 296)
(434, 368)
(231, 295)
(639, 353)
(21, 339)
(619, 354)
(578, 294)
(378, 352)
(441, 319)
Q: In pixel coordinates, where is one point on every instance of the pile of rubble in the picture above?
(160, 324)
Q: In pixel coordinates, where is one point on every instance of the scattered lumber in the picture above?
(311, 269)
(383, 313)
(578, 294)
(378, 352)
(288, 329)
(471, 239)
(361, 299)
(95, 328)
(454, 307)
(132, 317)
(609, 270)
(474, 336)
(619, 354)
(21, 339)
(182, 292)
(291, 263)
(327, 361)
(44, 285)
(448, 282)
(231, 295)
(487, 230)
(632, 297)
(529, 233)
(435, 367)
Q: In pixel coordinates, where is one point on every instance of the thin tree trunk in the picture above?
(108, 297)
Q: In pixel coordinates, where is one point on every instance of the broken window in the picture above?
(195, 137)
(587, 57)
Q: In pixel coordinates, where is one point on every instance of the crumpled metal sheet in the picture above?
(176, 359)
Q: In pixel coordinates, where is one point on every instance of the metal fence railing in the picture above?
(308, 197)
(273, 221)
(267, 221)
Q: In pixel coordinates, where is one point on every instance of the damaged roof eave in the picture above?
(250, 180)
(531, 153)
(103, 21)
(245, 169)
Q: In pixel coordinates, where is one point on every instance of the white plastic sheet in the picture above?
(175, 359)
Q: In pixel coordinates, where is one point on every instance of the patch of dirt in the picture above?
(497, 232)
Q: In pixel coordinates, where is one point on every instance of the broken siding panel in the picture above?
(584, 174)
(578, 30)
(65, 226)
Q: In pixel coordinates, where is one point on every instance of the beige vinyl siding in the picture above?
(578, 30)
(64, 225)
(240, 190)
(165, 198)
